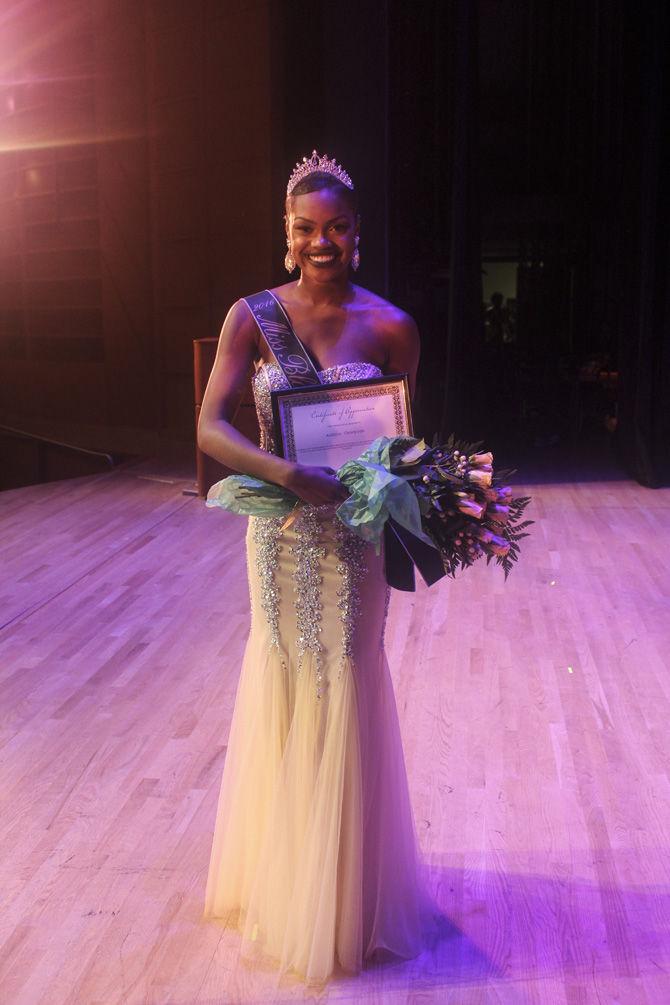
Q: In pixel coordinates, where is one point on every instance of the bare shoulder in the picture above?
(238, 312)
(395, 331)
(390, 320)
(388, 312)
(285, 290)
(401, 324)
(239, 327)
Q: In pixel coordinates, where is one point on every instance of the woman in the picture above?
(314, 854)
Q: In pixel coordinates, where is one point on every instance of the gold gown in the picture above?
(314, 856)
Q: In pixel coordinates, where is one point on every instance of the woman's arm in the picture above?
(217, 436)
(237, 348)
(403, 347)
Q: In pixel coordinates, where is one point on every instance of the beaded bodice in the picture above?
(269, 377)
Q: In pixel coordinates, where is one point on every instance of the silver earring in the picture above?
(289, 260)
(356, 257)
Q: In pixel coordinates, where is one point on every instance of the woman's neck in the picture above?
(326, 294)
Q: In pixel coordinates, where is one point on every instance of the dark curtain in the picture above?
(644, 334)
(463, 409)
(331, 68)
(434, 238)
(557, 145)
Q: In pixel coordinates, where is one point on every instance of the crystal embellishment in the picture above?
(387, 601)
(266, 533)
(351, 567)
(307, 587)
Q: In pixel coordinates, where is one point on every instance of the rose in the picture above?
(480, 477)
(471, 508)
(498, 513)
(478, 460)
(494, 543)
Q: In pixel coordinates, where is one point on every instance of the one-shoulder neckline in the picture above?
(327, 369)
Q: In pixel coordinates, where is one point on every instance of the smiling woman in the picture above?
(314, 855)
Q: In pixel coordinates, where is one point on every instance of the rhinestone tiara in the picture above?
(309, 165)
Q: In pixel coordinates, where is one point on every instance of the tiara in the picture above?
(309, 165)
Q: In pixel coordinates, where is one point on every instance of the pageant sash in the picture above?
(287, 348)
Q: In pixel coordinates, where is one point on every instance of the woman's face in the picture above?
(321, 227)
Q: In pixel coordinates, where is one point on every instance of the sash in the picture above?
(287, 348)
(402, 550)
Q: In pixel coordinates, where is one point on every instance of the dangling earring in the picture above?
(356, 257)
(289, 260)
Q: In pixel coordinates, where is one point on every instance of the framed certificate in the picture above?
(329, 424)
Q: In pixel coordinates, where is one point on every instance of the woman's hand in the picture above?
(315, 485)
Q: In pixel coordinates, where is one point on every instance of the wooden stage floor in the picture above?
(535, 717)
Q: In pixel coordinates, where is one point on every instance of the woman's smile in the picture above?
(321, 259)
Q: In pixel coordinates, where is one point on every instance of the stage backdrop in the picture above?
(145, 150)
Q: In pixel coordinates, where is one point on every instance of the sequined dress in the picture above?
(314, 856)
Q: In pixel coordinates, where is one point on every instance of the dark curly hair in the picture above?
(318, 180)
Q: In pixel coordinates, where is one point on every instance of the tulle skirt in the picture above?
(314, 856)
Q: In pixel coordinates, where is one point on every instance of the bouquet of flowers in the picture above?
(465, 509)
(446, 496)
